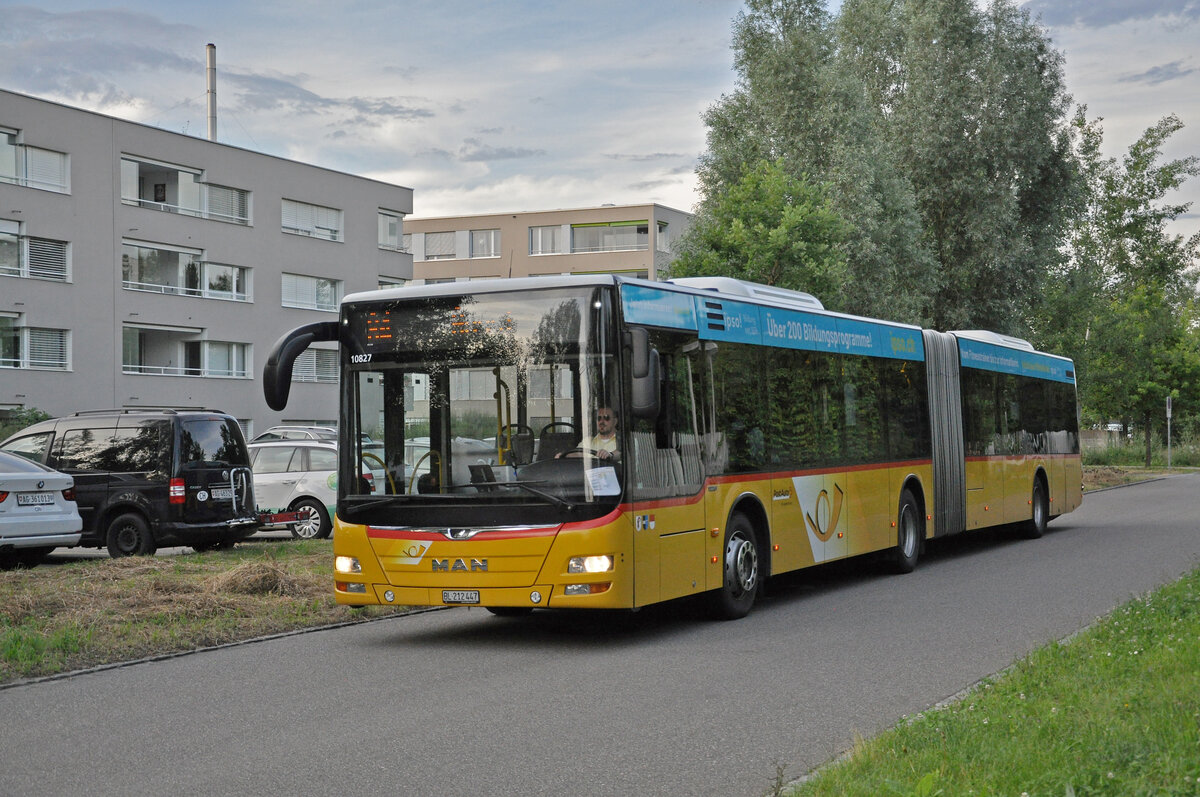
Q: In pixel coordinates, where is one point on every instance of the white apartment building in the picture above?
(145, 268)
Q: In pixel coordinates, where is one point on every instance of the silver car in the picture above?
(37, 511)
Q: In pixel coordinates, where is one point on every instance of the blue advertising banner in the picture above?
(990, 357)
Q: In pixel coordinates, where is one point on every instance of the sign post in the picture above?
(1168, 432)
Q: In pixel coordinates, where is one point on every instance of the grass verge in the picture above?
(59, 618)
(1114, 710)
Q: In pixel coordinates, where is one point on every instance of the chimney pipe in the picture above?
(211, 51)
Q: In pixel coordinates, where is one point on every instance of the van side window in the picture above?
(88, 449)
(142, 450)
(31, 446)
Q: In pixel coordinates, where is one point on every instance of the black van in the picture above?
(150, 478)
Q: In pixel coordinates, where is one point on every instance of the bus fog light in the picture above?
(590, 564)
(586, 589)
(389, 596)
(346, 564)
(352, 587)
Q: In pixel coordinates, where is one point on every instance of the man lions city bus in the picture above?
(600, 442)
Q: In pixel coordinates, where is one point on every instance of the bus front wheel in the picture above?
(743, 572)
(909, 531)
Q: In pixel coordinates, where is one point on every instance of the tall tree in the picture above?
(1123, 304)
(939, 130)
(795, 105)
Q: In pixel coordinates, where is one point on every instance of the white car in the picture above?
(37, 511)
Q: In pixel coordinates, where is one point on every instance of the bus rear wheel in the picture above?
(909, 533)
(743, 572)
(1036, 525)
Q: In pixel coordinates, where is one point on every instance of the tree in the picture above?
(772, 228)
(939, 131)
(1122, 304)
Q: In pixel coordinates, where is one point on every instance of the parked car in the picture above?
(301, 476)
(297, 433)
(145, 479)
(37, 511)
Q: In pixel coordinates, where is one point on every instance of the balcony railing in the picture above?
(177, 290)
(176, 370)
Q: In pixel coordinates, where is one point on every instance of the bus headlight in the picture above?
(586, 589)
(346, 564)
(590, 564)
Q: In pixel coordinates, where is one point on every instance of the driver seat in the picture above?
(553, 443)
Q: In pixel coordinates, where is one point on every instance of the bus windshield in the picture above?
(481, 409)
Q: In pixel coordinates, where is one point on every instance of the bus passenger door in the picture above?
(667, 477)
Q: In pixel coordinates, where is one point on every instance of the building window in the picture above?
(406, 243)
(390, 236)
(301, 218)
(316, 365)
(616, 236)
(485, 243)
(39, 258)
(32, 347)
(439, 246)
(158, 268)
(178, 189)
(311, 293)
(390, 282)
(662, 241)
(31, 167)
(546, 240)
(178, 351)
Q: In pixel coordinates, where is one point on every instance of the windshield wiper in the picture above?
(354, 503)
(554, 499)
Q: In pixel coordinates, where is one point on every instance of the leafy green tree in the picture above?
(1123, 304)
(940, 130)
(18, 419)
(772, 228)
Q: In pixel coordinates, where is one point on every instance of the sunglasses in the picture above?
(604, 417)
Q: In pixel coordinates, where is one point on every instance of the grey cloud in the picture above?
(475, 150)
(650, 156)
(1102, 13)
(1159, 74)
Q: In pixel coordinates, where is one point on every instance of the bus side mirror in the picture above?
(277, 373)
(646, 376)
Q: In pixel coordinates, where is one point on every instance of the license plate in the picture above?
(34, 499)
(460, 596)
(225, 493)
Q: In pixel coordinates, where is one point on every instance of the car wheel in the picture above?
(314, 520)
(129, 535)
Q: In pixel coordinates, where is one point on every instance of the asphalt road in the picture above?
(662, 702)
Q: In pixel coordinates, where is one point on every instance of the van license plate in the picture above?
(460, 596)
(34, 499)
(220, 494)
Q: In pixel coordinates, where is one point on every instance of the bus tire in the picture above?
(1036, 525)
(742, 571)
(129, 535)
(314, 521)
(909, 533)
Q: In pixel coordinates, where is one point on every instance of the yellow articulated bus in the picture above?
(601, 442)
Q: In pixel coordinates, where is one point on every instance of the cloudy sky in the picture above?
(516, 105)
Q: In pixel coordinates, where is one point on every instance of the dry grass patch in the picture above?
(62, 617)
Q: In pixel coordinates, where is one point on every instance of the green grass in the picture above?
(62, 617)
(1113, 711)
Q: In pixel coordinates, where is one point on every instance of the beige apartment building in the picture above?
(635, 240)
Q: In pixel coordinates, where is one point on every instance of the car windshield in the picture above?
(487, 401)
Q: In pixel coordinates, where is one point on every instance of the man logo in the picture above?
(459, 566)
